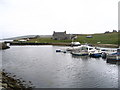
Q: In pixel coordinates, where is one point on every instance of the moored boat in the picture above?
(75, 44)
(58, 50)
(84, 50)
(114, 56)
(95, 55)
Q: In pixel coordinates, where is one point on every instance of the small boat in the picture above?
(84, 50)
(75, 44)
(114, 56)
(107, 51)
(82, 47)
(95, 54)
(58, 50)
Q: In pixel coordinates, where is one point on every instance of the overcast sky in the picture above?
(42, 17)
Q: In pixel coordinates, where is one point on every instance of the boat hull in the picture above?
(95, 55)
(115, 58)
(79, 54)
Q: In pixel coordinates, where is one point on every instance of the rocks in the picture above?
(7, 82)
(3, 45)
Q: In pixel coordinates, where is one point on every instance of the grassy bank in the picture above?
(105, 40)
(108, 38)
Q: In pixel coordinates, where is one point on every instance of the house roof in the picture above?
(59, 33)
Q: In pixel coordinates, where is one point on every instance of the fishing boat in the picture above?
(87, 50)
(114, 56)
(96, 53)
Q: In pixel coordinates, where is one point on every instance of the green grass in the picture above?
(108, 38)
(49, 40)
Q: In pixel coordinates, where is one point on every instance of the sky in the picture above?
(42, 17)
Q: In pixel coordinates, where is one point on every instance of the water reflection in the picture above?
(80, 57)
(113, 62)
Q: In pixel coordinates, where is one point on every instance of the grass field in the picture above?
(108, 38)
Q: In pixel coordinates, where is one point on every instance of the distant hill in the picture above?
(28, 36)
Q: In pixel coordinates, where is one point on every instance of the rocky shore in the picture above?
(3, 45)
(9, 83)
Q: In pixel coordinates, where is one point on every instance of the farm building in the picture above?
(61, 36)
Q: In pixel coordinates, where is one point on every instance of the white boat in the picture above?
(86, 50)
(73, 48)
(90, 49)
(75, 44)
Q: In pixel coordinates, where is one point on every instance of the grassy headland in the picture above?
(109, 39)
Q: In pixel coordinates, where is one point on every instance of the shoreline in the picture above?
(64, 44)
(3, 46)
(107, 45)
(8, 82)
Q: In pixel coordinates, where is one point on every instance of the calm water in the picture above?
(47, 69)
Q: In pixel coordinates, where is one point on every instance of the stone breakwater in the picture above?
(9, 83)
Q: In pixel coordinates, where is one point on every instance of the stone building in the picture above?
(61, 36)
